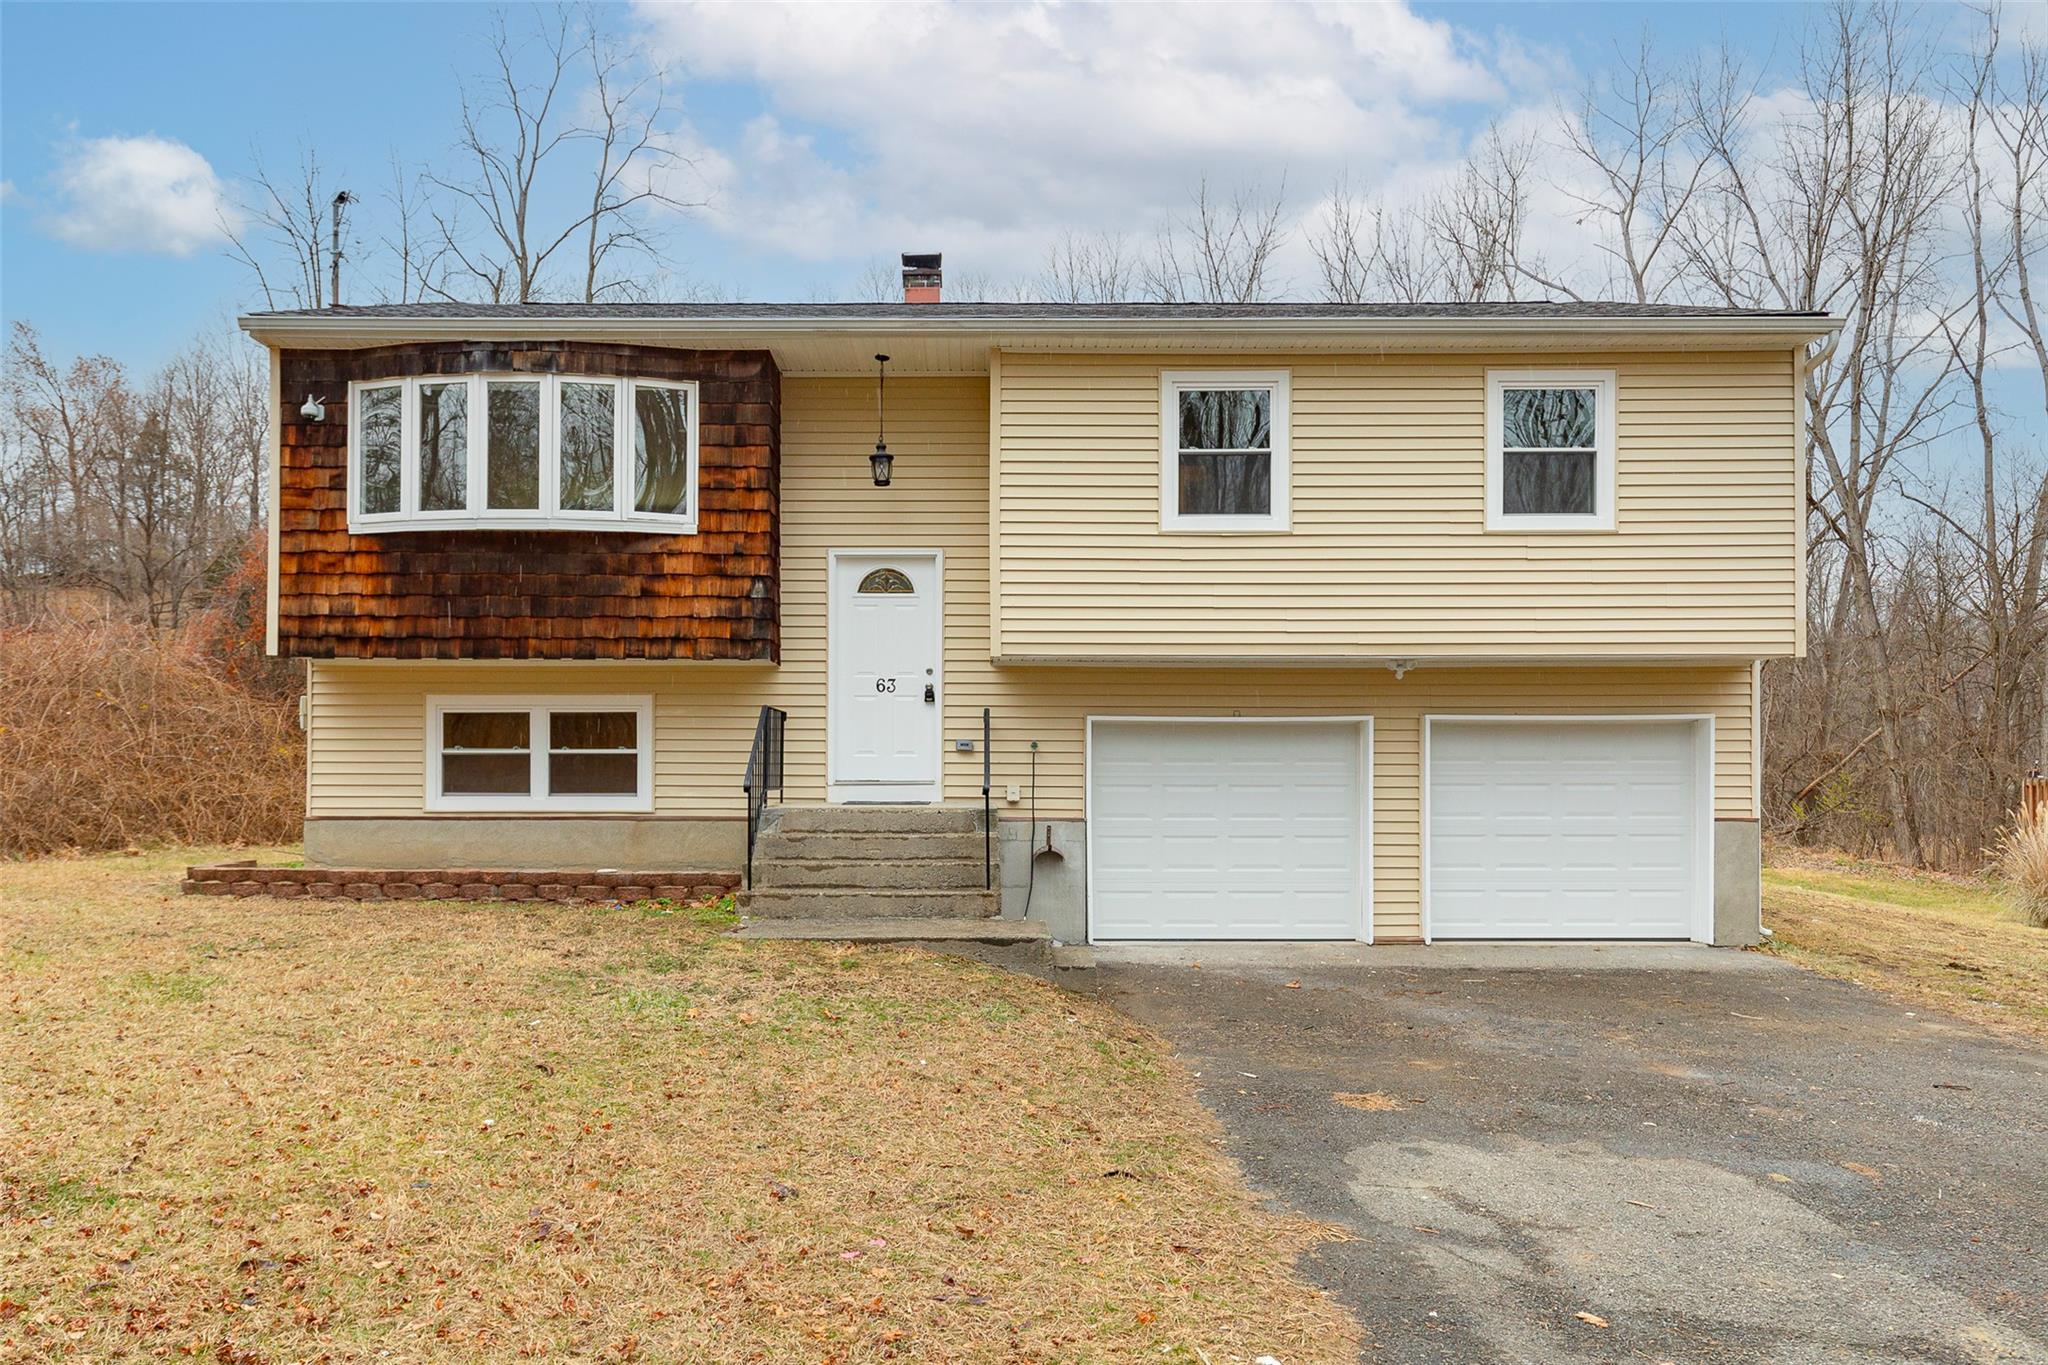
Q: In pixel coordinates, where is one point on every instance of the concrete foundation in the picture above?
(523, 841)
(1056, 884)
(1738, 883)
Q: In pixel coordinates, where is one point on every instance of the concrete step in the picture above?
(860, 903)
(931, 930)
(890, 819)
(846, 846)
(919, 874)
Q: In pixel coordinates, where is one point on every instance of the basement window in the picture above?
(1223, 451)
(514, 754)
(519, 451)
(1550, 450)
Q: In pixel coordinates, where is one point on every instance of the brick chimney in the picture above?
(921, 275)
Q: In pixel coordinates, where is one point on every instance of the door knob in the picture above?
(930, 693)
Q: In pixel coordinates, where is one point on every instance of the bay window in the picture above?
(513, 451)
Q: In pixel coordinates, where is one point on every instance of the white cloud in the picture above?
(149, 193)
(986, 131)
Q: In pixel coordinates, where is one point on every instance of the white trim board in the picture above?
(1703, 800)
(1365, 803)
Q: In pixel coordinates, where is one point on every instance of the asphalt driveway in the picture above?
(1718, 1156)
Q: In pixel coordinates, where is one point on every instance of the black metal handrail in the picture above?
(988, 824)
(764, 774)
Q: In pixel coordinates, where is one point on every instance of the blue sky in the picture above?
(823, 139)
(358, 82)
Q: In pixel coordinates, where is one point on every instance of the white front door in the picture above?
(884, 652)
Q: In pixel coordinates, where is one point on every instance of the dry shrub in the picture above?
(112, 735)
(2023, 863)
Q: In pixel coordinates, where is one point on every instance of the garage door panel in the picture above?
(1563, 830)
(1221, 829)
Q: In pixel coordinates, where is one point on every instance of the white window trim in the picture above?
(537, 798)
(1605, 410)
(478, 516)
(1172, 383)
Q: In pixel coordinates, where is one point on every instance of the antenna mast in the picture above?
(341, 200)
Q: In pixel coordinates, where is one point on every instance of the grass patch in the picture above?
(187, 987)
(276, 1130)
(1950, 943)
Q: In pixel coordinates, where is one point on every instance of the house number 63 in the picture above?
(885, 684)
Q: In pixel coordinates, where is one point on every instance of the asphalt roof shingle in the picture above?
(996, 313)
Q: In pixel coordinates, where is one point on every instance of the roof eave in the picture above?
(273, 329)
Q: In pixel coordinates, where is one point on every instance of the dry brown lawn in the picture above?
(268, 1131)
(1949, 943)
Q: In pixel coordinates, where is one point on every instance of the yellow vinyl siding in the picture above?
(368, 719)
(1387, 553)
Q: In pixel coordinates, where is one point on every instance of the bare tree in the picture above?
(2005, 210)
(878, 282)
(1222, 251)
(1473, 229)
(2019, 121)
(1844, 216)
(416, 255)
(1349, 246)
(635, 166)
(1460, 243)
(67, 417)
(141, 496)
(1095, 267)
(1636, 134)
(514, 135)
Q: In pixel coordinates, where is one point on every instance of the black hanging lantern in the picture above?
(881, 460)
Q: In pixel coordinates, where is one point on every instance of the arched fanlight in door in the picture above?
(881, 460)
(886, 581)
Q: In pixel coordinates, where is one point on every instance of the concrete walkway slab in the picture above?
(878, 929)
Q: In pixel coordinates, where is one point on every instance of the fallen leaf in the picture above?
(1594, 1318)
(1294, 985)
(1870, 1173)
(1781, 1179)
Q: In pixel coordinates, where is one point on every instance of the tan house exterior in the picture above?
(1377, 716)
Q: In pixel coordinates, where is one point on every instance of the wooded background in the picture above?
(1898, 183)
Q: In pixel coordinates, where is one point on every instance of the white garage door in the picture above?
(1226, 829)
(1587, 829)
